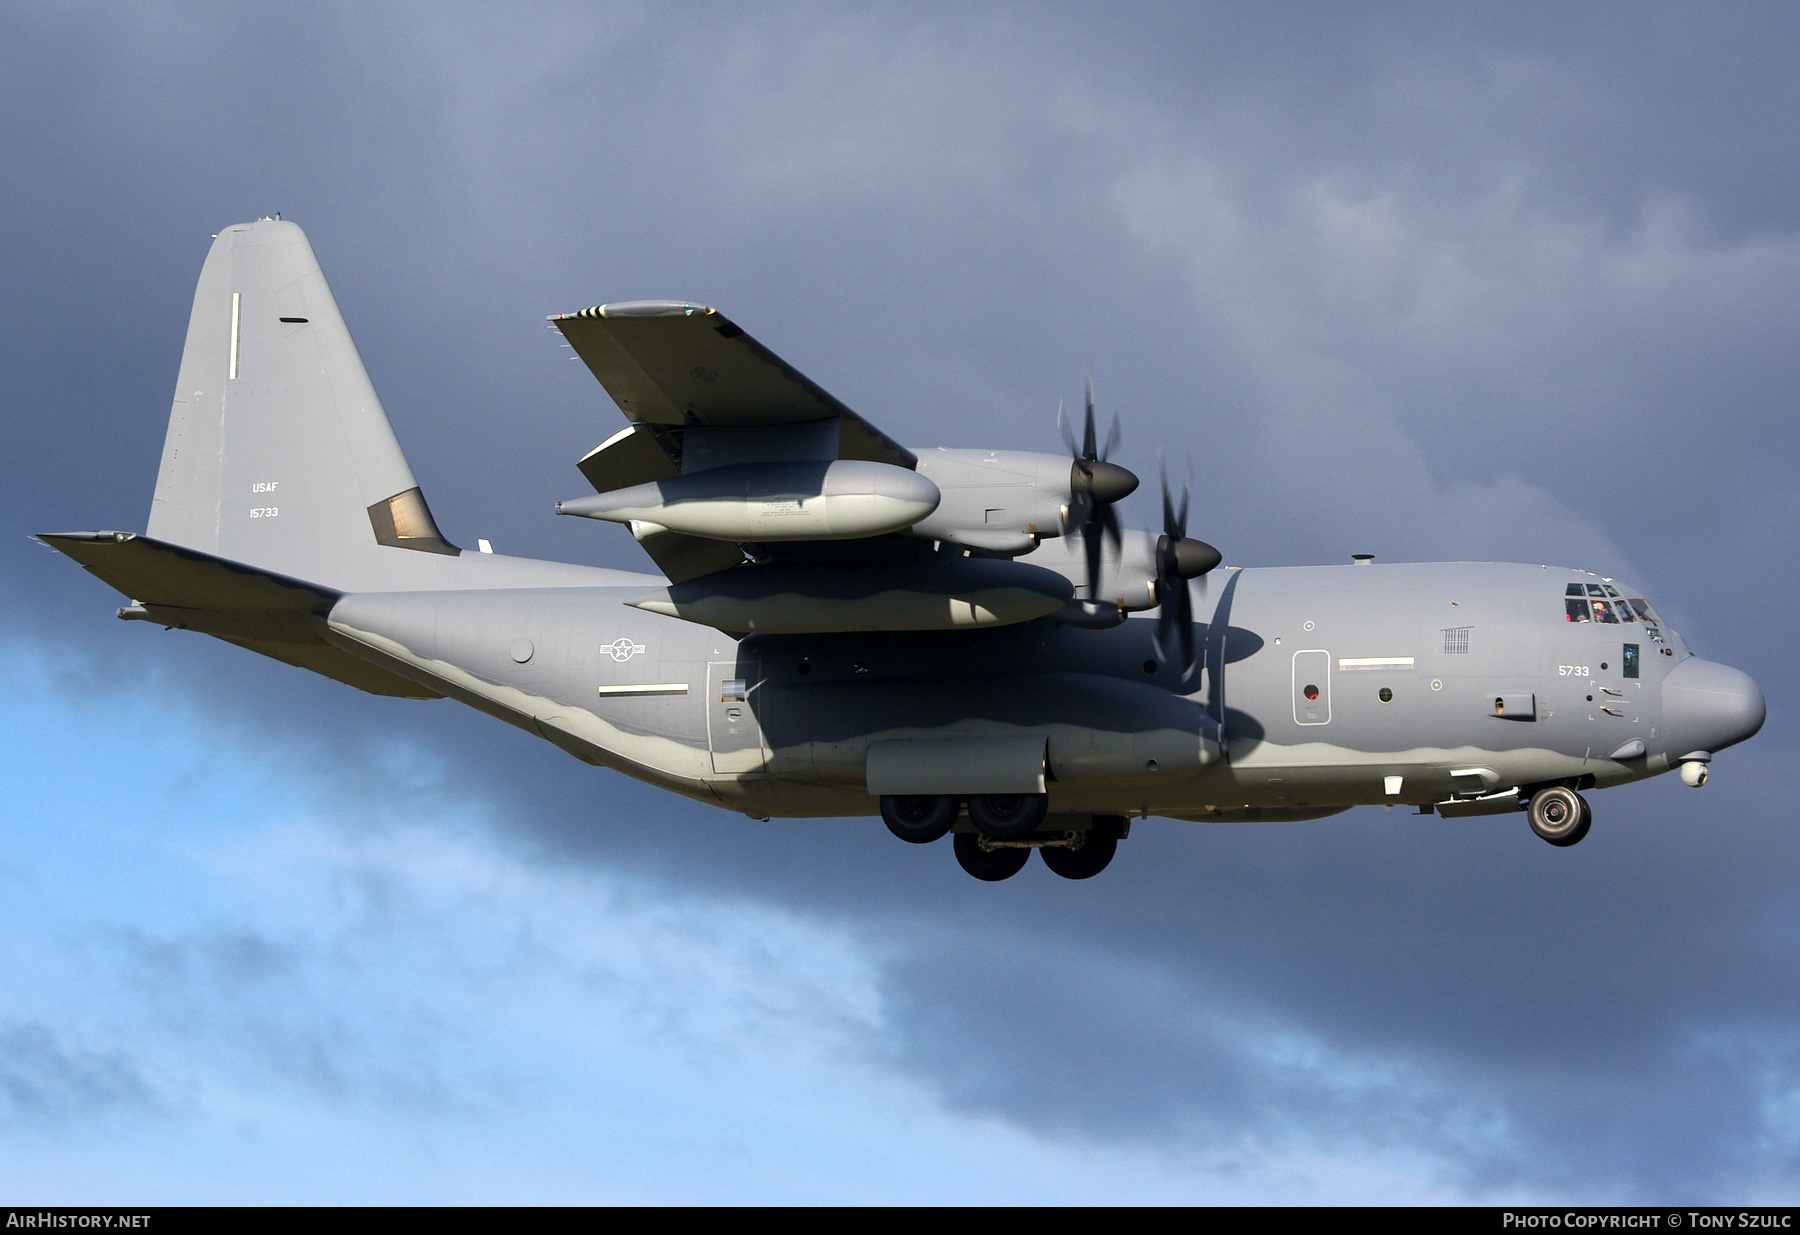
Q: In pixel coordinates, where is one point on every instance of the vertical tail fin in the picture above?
(278, 453)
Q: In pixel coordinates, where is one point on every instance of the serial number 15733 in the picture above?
(1572, 671)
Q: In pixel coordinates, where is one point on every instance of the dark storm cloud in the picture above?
(1508, 283)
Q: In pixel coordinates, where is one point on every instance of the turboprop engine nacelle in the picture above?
(1006, 501)
(847, 499)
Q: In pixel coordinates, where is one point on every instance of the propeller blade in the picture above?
(1178, 559)
(1169, 508)
(1090, 543)
(1112, 438)
(1185, 629)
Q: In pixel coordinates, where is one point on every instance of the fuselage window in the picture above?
(1577, 610)
(1631, 660)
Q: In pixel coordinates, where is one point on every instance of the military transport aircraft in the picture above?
(963, 641)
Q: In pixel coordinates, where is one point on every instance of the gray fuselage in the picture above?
(1317, 688)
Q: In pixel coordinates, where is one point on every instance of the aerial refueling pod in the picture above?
(846, 499)
(940, 593)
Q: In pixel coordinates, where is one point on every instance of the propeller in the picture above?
(1178, 559)
(1094, 485)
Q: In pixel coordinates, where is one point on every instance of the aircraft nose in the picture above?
(1709, 706)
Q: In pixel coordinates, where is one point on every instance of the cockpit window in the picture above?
(1606, 604)
(1612, 609)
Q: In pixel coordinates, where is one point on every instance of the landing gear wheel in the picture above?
(1587, 821)
(1008, 816)
(988, 865)
(1559, 815)
(918, 819)
(1097, 849)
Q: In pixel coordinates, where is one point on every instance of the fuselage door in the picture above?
(1312, 688)
(732, 728)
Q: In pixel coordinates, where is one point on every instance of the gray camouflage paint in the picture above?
(278, 448)
(815, 702)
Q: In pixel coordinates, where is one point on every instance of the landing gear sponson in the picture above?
(1006, 831)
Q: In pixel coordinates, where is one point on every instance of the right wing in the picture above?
(674, 365)
(673, 368)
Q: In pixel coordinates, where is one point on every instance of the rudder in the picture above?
(278, 451)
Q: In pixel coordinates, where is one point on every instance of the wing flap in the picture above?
(632, 456)
(681, 558)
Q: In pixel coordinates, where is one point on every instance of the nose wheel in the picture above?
(1559, 815)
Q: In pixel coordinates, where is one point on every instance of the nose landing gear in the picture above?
(1559, 815)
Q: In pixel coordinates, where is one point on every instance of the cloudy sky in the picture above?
(1483, 282)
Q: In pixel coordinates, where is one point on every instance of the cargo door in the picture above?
(1312, 688)
(732, 728)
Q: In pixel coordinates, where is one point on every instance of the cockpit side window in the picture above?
(1576, 610)
(1644, 610)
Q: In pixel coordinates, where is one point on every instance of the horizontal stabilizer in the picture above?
(260, 610)
(153, 572)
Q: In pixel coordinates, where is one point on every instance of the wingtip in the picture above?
(641, 308)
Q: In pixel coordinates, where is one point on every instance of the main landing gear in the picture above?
(1006, 831)
(1559, 815)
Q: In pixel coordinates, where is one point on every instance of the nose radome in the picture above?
(1708, 706)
